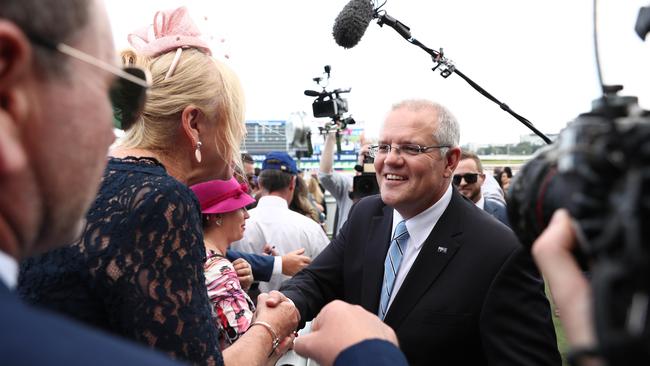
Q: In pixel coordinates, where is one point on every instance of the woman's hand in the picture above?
(280, 312)
(244, 273)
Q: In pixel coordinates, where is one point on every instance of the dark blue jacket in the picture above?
(374, 352)
(29, 336)
(262, 265)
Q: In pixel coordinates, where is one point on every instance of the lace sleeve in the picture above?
(152, 271)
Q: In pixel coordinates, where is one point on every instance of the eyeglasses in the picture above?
(408, 149)
(470, 178)
(128, 91)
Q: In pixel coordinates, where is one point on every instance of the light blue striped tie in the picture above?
(391, 265)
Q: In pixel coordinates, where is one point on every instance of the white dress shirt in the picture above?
(419, 228)
(273, 223)
(8, 270)
(480, 203)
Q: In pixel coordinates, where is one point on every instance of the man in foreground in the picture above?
(55, 130)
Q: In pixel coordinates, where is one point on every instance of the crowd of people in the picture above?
(153, 252)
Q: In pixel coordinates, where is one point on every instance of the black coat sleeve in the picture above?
(516, 312)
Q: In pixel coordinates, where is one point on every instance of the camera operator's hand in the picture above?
(569, 287)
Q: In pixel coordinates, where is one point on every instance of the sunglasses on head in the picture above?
(129, 89)
(470, 178)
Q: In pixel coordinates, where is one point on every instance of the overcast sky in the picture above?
(536, 56)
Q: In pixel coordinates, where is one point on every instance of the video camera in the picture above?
(599, 170)
(327, 103)
(365, 184)
(330, 104)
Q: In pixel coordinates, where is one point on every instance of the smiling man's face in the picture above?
(412, 183)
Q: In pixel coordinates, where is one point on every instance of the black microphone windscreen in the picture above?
(352, 22)
(312, 93)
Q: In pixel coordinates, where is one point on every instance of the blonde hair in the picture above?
(300, 201)
(314, 189)
(198, 80)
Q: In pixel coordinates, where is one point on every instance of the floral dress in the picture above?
(232, 309)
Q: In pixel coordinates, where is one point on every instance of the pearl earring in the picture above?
(197, 152)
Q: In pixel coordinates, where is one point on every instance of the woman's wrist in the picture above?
(274, 335)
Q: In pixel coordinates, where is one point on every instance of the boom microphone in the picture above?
(352, 22)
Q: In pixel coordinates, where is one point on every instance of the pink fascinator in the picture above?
(171, 29)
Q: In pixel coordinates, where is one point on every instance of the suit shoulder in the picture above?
(494, 203)
(371, 204)
(62, 341)
(482, 227)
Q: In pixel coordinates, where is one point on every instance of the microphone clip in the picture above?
(401, 28)
(446, 66)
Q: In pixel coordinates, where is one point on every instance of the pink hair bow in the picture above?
(171, 29)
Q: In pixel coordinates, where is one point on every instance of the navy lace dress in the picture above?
(137, 271)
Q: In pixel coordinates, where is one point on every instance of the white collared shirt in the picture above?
(8, 270)
(419, 228)
(481, 203)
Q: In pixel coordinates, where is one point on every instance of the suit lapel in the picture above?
(436, 252)
(375, 253)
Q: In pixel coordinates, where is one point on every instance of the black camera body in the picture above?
(365, 184)
(591, 161)
(599, 170)
(330, 104)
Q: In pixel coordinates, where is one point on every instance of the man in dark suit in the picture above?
(55, 130)
(469, 178)
(453, 283)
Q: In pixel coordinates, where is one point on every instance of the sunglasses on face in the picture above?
(470, 178)
(128, 91)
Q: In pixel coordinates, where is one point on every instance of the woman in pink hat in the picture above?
(223, 205)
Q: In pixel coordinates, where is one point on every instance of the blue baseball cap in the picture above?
(280, 160)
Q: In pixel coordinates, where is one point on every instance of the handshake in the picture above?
(337, 327)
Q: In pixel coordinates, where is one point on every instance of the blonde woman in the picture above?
(300, 201)
(137, 270)
(316, 196)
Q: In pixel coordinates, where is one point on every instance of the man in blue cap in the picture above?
(273, 223)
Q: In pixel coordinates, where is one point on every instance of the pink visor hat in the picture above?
(220, 196)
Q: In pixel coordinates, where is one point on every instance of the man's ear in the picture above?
(15, 69)
(292, 184)
(451, 161)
